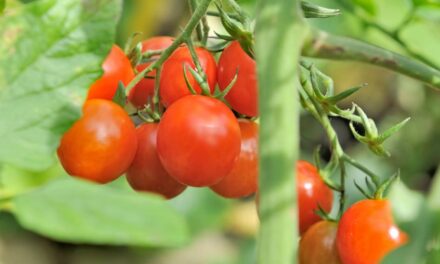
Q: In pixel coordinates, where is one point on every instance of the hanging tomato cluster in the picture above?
(206, 136)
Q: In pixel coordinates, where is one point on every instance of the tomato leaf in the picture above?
(81, 212)
(368, 6)
(51, 51)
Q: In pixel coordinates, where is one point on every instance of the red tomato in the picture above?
(116, 68)
(198, 140)
(142, 93)
(101, 145)
(311, 192)
(243, 179)
(367, 233)
(318, 244)
(243, 97)
(146, 173)
(172, 80)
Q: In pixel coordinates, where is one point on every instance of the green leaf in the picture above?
(368, 6)
(51, 51)
(80, 212)
(16, 180)
(2, 5)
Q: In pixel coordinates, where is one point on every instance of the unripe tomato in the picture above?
(367, 233)
(142, 93)
(312, 192)
(146, 172)
(198, 140)
(243, 97)
(318, 244)
(101, 145)
(172, 80)
(243, 179)
(116, 68)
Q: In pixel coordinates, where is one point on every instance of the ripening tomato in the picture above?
(101, 145)
(243, 179)
(243, 97)
(142, 93)
(146, 172)
(318, 244)
(172, 80)
(116, 68)
(367, 233)
(198, 140)
(312, 192)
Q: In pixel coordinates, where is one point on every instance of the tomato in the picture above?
(198, 140)
(142, 93)
(312, 192)
(318, 244)
(243, 97)
(243, 179)
(116, 68)
(172, 80)
(146, 173)
(367, 233)
(101, 145)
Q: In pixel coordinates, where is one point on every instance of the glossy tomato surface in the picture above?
(243, 179)
(243, 96)
(143, 92)
(146, 172)
(101, 145)
(198, 140)
(116, 68)
(367, 233)
(318, 244)
(172, 80)
(312, 192)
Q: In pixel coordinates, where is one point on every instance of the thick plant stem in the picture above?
(280, 31)
(324, 45)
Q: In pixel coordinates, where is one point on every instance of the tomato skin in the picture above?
(243, 97)
(101, 145)
(243, 179)
(312, 192)
(144, 89)
(172, 80)
(116, 68)
(146, 172)
(198, 140)
(367, 233)
(318, 244)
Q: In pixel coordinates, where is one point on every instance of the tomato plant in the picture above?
(116, 68)
(101, 145)
(318, 244)
(366, 233)
(312, 193)
(142, 93)
(243, 179)
(146, 172)
(243, 96)
(172, 81)
(198, 140)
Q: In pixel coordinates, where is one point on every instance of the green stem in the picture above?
(394, 35)
(186, 33)
(362, 168)
(192, 7)
(324, 45)
(203, 84)
(280, 32)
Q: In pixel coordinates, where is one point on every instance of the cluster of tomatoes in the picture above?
(199, 141)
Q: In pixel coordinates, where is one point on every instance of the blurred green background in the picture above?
(223, 231)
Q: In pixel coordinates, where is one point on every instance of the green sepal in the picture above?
(315, 11)
(120, 97)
